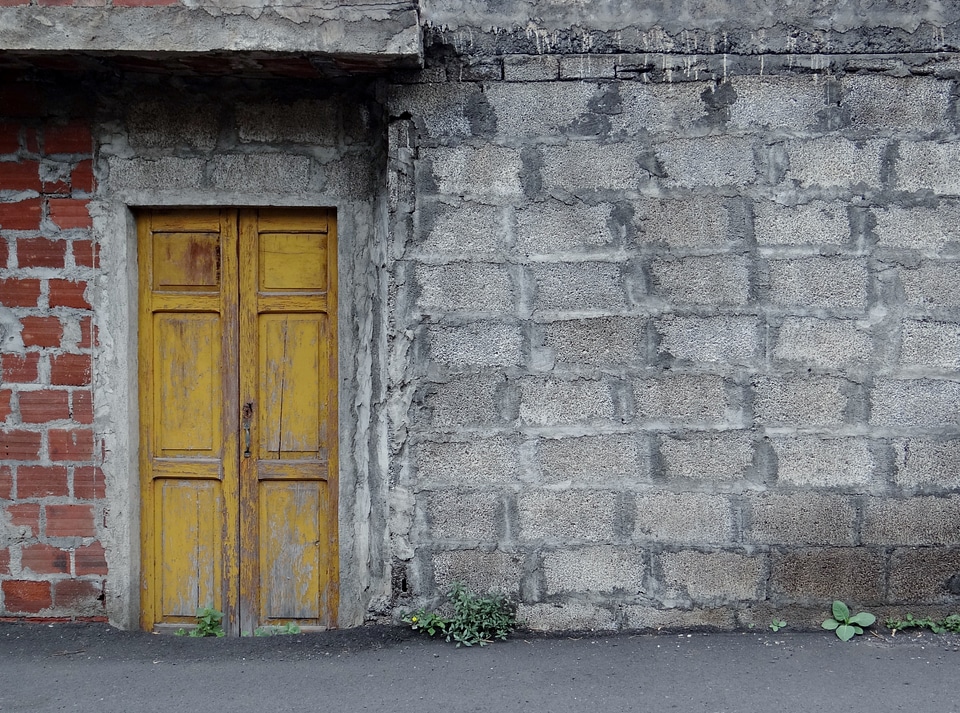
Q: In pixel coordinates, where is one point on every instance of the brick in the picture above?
(929, 230)
(646, 618)
(605, 460)
(284, 172)
(143, 3)
(476, 462)
(710, 340)
(920, 520)
(482, 572)
(593, 342)
(85, 253)
(847, 463)
(714, 280)
(835, 161)
(19, 445)
(76, 595)
(568, 516)
(555, 228)
(70, 213)
(927, 464)
(477, 343)
(928, 165)
(781, 102)
(23, 215)
(706, 457)
(44, 559)
(685, 518)
(801, 519)
(310, 121)
(586, 66)
(828, 283)
(927, 575)
(853, 574)
(475, 400)
(70, 521)
(915, 403)
(26, 515)
(568, 616)
(82, 178)
(465, 515)
(74, 138)
(930, 344)
(490, 173)
(581, 287)
(711, 576)
(656, 108)
(9, 132)
(81, 407)
(552, 402)
(708, 161)
(86, 334)
(878, 103)
(530, 68)
(26, 597)
(4, 253)
(466, 230)
(41, 331)
(584, 167)
(90, 559)
(19, 369)
(440, 108)
(89, 483)
(20, 176)
(44, 406)
(41, 481)
(464, 287)
(816, 223)
(19, 293)
(810, 401)
(682, 398)
(66, 293)
(599, 569)
(70, 370)
(5, 407)
(706, 222)
(4, 562)
(72, 445)
(526, 112)
(147, 174)
(41, 252)
(61, 3)
(829, 344)
(932, 285)
(6, 482)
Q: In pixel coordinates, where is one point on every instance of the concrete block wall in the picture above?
(676, 348)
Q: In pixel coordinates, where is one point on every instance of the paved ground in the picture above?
(387, 669)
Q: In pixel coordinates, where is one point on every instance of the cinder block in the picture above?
(816, 223)
(708, 161)
(726, 341)
(156, 174)
(482, 572)
(464, 287)
(490, 173)
(665, 108)
(917, 521)
(481, 461)
(683, 518)
(584, 166)
(915, 403)
(440, 111)
(470, 230)
(805, 402)
(603, 569)
(928, 165)
(683, 398)
(927, 464)
(605, 460)
(828, 344)
(581, 287)
(828, 283)
(471, 401)
(541, 110)
(712, 280)
(568, 515)
(595, 342)
(551, 402)
(476, 343)
(929, 575)
(878, 103)
(172, 124)
(801, 519)
(261, 173)
(644, 618)
(307, 121)
(700, 222)
(588, 66)
(928, 230)
(706, 456)
(808, 461)
(853, 574)
(556, 228)
(835, 161)
(568, 616)
(777, 102)
(707, 577)
(530, 67)
(932, 285)
(930, 344)
(465, 515)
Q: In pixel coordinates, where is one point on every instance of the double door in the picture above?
(238, 414)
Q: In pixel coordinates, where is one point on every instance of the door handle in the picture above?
(247, 414)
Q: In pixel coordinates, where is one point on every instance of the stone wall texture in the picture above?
(652, 327)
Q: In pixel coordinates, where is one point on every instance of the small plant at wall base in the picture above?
(777, 624)
(949, 623)
(209, 623)
(475, 620)
(844, 625)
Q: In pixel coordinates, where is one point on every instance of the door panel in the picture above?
(238, 416)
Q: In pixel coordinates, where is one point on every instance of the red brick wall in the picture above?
(52, 564)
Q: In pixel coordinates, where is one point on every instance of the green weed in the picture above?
(845, 625)
(209, 623)
(475, 620)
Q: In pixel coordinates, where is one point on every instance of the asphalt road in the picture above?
(99, 669)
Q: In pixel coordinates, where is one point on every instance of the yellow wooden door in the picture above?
(238, 413)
